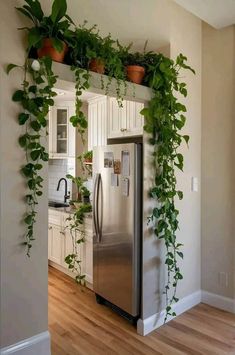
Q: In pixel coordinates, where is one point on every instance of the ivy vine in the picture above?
(35, 98)
(164, 119)
(78, 236)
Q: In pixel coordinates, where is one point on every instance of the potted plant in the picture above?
(83, 194)
(47, 34)
(87, 156)
(135, 67)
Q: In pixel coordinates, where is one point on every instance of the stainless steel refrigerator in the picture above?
(117, 216)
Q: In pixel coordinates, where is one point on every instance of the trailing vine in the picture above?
(164, 120)
(35, 99)
(78, 236)
(79, 120)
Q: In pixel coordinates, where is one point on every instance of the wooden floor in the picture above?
(80, 326)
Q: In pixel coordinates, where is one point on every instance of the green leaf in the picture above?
(34, 37)
(23, 117)
(10, 67)
(180, 195)
(35, 154)
(39, 193)
(25, 13)
(181, 255)
(35, 125)
(38, 166)
(28, 170)
(59, 9)
(28, 219)
(186, 138)
(35, 9)
(23, 141)
(33, 89)
(31, 184)
(169, 262)
(18, 95)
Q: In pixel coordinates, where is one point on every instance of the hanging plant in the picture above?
(35, 98)
(164, 119)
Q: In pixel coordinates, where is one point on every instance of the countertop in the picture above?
(68, 210)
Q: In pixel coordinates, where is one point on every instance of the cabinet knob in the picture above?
(50, 227)
(123, 129)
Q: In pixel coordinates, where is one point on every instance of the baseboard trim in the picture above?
(218, 301)
(145, 326)
(36, 345)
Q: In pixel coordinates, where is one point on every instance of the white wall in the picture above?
(24, 281)
(218, 248)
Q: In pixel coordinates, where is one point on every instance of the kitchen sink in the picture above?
(57, 204)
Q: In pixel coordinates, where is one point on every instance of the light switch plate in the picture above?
(194, 184)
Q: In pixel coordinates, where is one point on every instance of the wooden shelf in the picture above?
(66, 81)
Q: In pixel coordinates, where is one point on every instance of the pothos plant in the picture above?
(164, 119)
(35, 98)
(77, 233)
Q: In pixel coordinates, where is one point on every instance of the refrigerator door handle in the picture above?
(94, 207)
(99, 215)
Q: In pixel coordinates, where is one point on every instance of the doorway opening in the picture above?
(107, 124)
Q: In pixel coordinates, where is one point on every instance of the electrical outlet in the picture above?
(223, 279)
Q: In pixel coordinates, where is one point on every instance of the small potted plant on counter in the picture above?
(83, 194)
(87, 156)
(47, 34)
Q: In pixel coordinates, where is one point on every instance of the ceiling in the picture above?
(217, 13)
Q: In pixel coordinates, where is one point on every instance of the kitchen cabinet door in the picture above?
(97, 122)
(134, 120)
(125, 121)
(55, 241)
(116, 118)
(62, 135)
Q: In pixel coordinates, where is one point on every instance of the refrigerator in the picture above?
(117, 225)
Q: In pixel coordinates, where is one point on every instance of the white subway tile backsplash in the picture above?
(57, 169)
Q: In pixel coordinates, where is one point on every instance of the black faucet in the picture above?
(66, 194)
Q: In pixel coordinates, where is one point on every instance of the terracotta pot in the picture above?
(48, 50)
(135, 73)
(97, 65)
(88, 160)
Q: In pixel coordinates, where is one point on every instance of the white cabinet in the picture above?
(97, 122)
(55, 242)
(62, 135)
(116, 118)
(134, 120)
(60, 244)
(124, 121)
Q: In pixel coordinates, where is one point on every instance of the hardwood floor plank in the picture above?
(80, 326)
